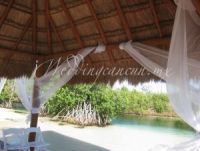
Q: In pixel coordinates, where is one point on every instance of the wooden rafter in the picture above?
(171, 7)
(55, 30)
(34, 26)
(155, 16)
(98, 24)
(197, 5)
(50, 20)
(28, 23)
(123, 19)
(73, 26)
(48, 32)
(99, 28)
(111, 57)
(6, 11)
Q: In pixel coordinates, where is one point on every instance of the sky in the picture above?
(151, 86)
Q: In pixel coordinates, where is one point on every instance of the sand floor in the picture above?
(72, 138)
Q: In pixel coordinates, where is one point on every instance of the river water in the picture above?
(148, 132)
(165, 124)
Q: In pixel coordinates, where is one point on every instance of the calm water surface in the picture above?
(164, 125)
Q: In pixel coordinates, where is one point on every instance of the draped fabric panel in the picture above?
(180, 68)
(2, 83)
(51, 81)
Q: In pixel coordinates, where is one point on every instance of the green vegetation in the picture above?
(108, 103)
(8, 95)
(101, 98)
(96, 104)
(141, 103)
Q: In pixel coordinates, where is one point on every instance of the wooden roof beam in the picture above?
(28, 23)
(171, 6)
(48, 32)
(123, 19)
(155, 16)
(6, 12)
(99, 28)
(73, 26)
(34, 26)
(110, 55)
(55, 30)
(98, 24)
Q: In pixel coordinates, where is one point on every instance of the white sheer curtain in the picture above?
(151, 58)
(2, 83)
(51, 81)
(180, 68)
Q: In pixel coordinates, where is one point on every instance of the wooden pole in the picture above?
(34, 116)
(35, 104)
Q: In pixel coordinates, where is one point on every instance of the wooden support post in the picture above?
(35, 104)
(34, 116)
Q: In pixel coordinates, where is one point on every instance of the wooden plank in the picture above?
(48, 32)
(73, 26)
(123, 19)
(155, 16)
(6, 12)
(28, 23)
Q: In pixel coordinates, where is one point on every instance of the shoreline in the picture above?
(152, 114)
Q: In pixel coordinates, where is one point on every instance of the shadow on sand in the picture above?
(59, 142)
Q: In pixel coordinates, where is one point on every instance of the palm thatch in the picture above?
(33, 30)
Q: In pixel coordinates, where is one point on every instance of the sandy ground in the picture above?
(72, 138)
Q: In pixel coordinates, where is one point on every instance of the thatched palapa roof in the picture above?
(33, 30)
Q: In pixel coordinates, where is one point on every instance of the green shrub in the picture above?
(102, 98)
(160, 103)
(8, 93)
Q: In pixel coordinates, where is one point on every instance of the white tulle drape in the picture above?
(151, 58)
(180, 68)
(2, 83)
(51, 81)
